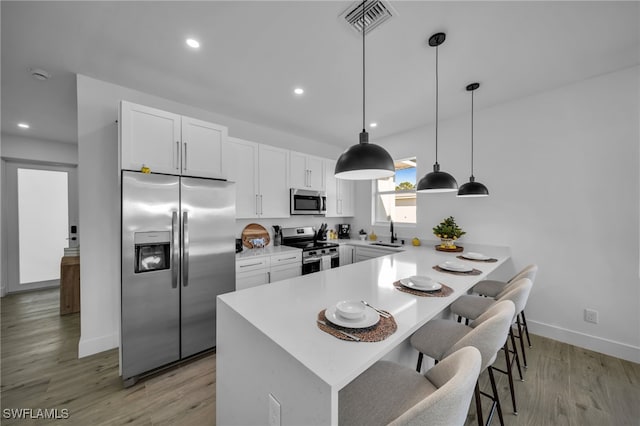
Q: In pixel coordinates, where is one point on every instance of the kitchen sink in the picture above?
(386, 245)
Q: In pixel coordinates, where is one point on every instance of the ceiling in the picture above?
(253, 54)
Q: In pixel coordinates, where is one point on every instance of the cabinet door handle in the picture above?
(310, 178)
(257, 212)
(261, 212)
(269, 277)
(177, 155)
(184, 160)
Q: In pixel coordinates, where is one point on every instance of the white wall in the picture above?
(99, 196)
(562, 168)
(23, 148)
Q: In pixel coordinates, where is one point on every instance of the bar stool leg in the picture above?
(526, 327)
(521, 337)
(515, 353)
(478, 405)
(505, 348)
(495, 395)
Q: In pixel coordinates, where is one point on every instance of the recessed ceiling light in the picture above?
(191, 42)
(23, 125)
(373, 125)
(298, 91)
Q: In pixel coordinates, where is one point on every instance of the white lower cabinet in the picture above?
(268, 269)
(346, 254)
(252, 272)
(364, 253)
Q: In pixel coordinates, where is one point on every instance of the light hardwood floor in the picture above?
(40, 369)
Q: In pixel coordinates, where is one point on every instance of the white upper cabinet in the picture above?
(169, 143)
(274, 182)
(202, 148)
(240, 160)
(306, 171)
(260, 174)
(340, 193)
(149, 137)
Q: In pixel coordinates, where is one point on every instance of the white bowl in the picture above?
(350, 309)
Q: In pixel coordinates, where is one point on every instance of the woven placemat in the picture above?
(376, 333)
(490, 260)
(443, 292)
(472, 272)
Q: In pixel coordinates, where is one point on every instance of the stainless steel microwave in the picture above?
(304, 201)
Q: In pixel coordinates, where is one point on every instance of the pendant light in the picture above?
(437, 181)
(472, 188)
(364, 160)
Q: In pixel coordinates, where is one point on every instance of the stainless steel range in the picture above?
(317, 254)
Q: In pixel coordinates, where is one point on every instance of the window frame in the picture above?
(374, 200)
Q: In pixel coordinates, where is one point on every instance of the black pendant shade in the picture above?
(437, 181)
(472, 188)
(365, 160)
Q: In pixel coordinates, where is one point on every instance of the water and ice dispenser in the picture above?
(152, 251)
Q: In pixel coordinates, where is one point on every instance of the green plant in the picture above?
(448, 229)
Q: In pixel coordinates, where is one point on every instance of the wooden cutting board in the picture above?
(252, 231)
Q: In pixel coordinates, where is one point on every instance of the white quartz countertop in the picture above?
(265, 251)
(286, 311)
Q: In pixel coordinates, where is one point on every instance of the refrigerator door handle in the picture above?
(185, 249)
(176, 250)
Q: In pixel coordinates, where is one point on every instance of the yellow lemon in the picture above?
(415, 241)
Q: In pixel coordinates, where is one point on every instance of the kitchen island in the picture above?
(275, 366)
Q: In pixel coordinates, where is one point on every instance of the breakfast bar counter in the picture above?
(274, 365)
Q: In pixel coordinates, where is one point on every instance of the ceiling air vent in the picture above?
(375, 13)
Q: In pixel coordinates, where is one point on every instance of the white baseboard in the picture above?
(96, 345)
(586, 341)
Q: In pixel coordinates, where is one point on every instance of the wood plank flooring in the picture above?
(564, 385)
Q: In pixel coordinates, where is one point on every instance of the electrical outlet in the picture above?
(591, 315)
(274, 411)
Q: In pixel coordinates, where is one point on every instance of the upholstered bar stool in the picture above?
(472, 307)
(388, 393)
(492, 288)
(487, 333)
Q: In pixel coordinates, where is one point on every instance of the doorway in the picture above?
(41, 211)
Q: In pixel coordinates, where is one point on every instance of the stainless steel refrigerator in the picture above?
(178, 254)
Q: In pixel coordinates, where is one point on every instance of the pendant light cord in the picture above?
(472, 133)
(364, 27)
(436, 104)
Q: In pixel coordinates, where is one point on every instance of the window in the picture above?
(395, 197)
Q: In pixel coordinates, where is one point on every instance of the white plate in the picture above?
(370, 318)
(455, 266)
(421, 283)
(475, 256)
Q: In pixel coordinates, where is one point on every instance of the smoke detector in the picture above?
(39, 74)
(375, 13)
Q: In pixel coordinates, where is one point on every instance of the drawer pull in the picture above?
(251, 264)
(288, 258)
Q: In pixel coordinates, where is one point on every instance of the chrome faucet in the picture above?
(393, 237)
